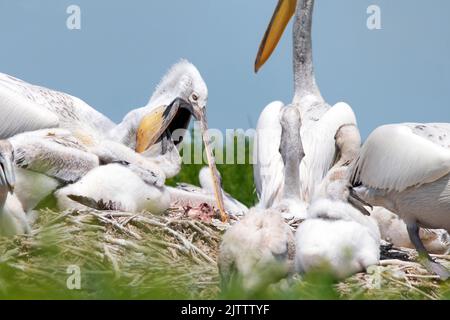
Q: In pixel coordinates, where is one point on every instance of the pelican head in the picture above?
(7, 177)
(283, 13)
(336, 187)
(182, 93)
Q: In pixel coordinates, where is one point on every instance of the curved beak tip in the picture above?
(256, 67)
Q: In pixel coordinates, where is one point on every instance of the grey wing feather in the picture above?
(438, 133)
(54, 153)
(395, 157)
(189, 188)
(20, 114)
(100, 205)
(27, 107)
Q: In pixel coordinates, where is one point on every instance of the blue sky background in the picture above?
(400, 73)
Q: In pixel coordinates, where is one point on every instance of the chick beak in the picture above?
(359, 203)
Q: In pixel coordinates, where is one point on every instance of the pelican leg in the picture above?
(54, 153)
(425, 258)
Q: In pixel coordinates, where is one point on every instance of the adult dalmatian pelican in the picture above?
(405, 168)
(321, 123)
(180, 94)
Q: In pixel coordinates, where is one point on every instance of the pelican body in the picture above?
(320, 121)
(405, 168)
(148, 130)
(48, 159)
(337, 237)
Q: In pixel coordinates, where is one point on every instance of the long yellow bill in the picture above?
(283, 13)
(212, 166)
(151, 128)
(153, 125)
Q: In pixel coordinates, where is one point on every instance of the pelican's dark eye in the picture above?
(194, 97)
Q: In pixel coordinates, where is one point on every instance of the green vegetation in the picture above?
(237, 179)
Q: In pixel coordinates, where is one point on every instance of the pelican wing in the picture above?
(27, 107)
(396, 157)
(20, 112)
(319, 145)
(438, 133)
(268, 167)
(146, 168)
(53, 152)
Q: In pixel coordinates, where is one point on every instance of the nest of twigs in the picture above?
(119, 255)
(127, 256)
(398, 276)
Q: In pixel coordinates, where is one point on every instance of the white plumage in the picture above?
(336, 235)
(256, 250)
(320, 122)
(183, 80)
(268, 167)
(80, 138)
(395, 158)
(27, 107)
(115, 187)
(319, 144)
(50, 158)
(407, 173)
(405, 168)
(262, 240)
(13, 219)
(343, 247)
(393, 230)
